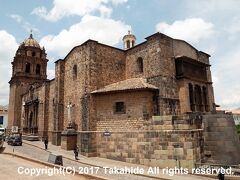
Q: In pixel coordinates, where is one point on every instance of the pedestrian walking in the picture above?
(76, 150)
(46, 143)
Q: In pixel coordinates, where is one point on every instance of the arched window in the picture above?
(74, 71)
(128, 44)
(133, 43)
(27, 68)
(38, 69)
(140, 64)
(33, 54)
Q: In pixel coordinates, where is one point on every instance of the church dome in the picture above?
(30, 41)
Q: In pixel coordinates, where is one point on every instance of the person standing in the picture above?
(75, 150)
(46, 143)
(221, 176)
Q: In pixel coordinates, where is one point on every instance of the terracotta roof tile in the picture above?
(129, 84)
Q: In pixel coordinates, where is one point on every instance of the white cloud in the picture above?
(25, 24)
(16, 17)
(107, 31)
(233, 28)
(227, 88)
(7, 51)
(50, 73)
(232, 99)
(62, 8)
(116, 2)
(215, 9)
(192, 29)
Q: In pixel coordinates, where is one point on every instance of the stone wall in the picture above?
(160, 148)
(58, 120)
(164, 141)
(97, 65)
(138, 105)
(168, 94)
(76, 84)
(43, 114)
(159, 69)
(51, 109)
(221, 141)
(107, 66)
(12, 113)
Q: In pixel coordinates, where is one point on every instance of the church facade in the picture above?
(98, 88)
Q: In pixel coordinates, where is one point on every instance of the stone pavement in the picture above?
(36, 150)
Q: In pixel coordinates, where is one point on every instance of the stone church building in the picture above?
(146, 96)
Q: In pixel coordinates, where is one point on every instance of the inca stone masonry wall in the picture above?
(160, 148)
(221, 141)
(165, 141)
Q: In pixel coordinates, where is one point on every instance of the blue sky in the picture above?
(212, 26)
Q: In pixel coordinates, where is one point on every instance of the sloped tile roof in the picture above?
(129, 84)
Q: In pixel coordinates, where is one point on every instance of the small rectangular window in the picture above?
(120, 107)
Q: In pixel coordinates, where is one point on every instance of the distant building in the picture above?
(236, 116)
(3, 116)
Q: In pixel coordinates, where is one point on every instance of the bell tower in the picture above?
(129, 40)
(28, 67)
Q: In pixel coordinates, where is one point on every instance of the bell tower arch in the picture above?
(29, 66)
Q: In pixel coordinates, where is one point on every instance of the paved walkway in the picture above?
(36, 150)
(12, 167)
